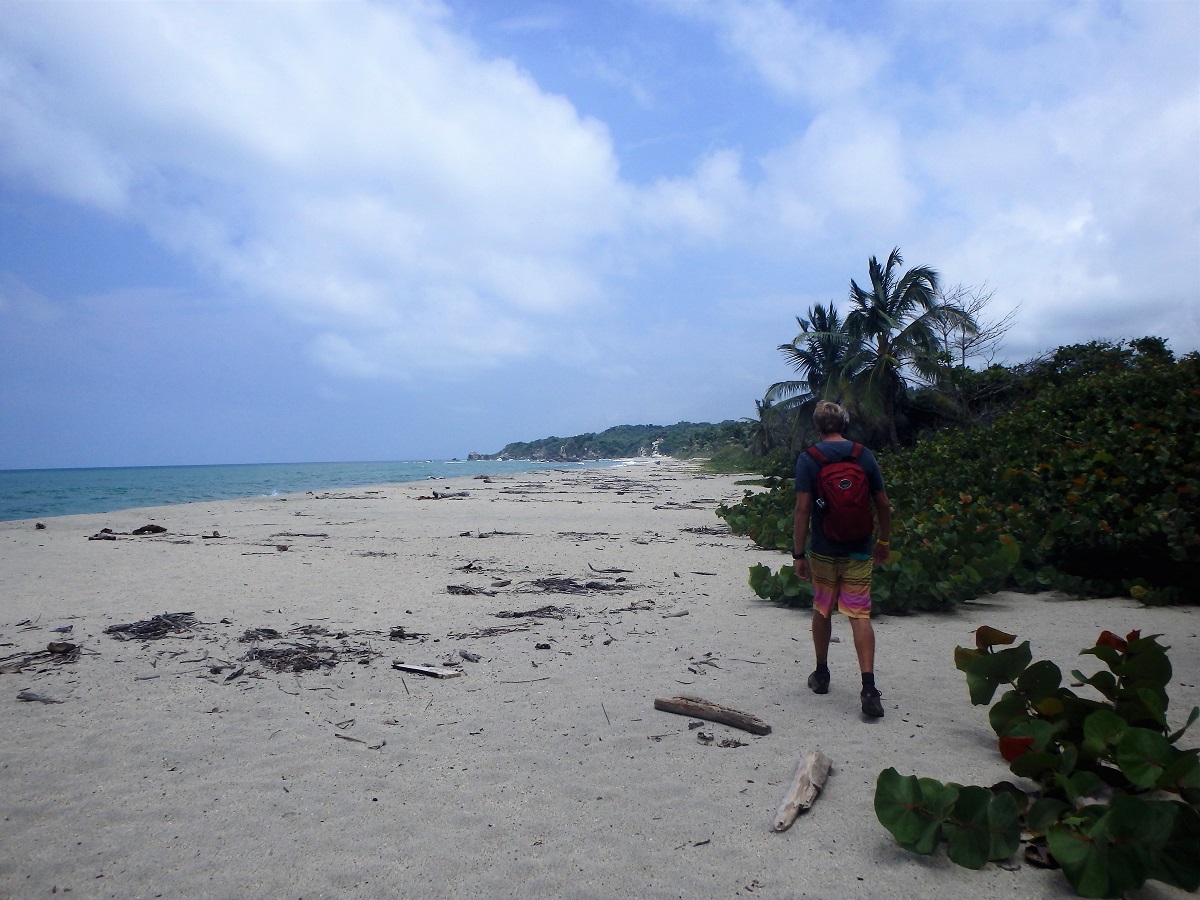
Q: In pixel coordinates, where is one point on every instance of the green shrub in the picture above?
(1090, 486)
(1118, 803)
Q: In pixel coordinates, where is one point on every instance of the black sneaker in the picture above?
(818, 682)
(871, 705)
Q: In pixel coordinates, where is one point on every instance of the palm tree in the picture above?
(822, 353)
(893, 327)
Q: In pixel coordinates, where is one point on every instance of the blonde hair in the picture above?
(829, 418)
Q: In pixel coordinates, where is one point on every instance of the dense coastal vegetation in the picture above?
(1078, 470)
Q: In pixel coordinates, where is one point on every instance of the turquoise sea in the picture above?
(39, 493)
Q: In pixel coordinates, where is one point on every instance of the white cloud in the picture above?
(357, 164)
(796, 54)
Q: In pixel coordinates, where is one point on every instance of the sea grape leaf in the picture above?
(967, 838)
(982, 826)
(1040, 680)
(1041, 732)
(1004, 826)
(987, 637)
(1083, 784)
(1033, 765)
(1044, 813)
(1175, 775)
(1008, 709)
(1106, 654)
(913, 809)
(1083, 854)
(991, 670)
(1150, 668)
(1101, 732)
(964, 656)
(1104, 682)
(1175, 736)
(1137, 831)
(1142, 755)
(1178, 863)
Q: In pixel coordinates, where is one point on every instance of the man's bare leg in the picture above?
(822, 631)
(864, 646)
(864, 643)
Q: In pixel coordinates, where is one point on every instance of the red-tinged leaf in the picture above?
(1013, 747)
(1108, 639)
(1133, 636)
(987, 637)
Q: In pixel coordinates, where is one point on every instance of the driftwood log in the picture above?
(432, 671)
(713, 712)
(811, 773)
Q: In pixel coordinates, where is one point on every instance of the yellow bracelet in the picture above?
(883, 543)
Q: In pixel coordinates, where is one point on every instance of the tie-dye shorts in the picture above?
(844, 578)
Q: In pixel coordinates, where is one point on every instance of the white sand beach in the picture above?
(544, 769)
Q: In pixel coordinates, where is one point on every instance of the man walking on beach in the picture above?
(840, 569)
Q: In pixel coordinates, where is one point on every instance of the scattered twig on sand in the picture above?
(400, 633)
(469, 591)
(610, 571)
(636, 606)
(154, 628)
(676, 615)
(542, 612)
(561, 585)
(296, 658)
(34, 697)
(490, 632)
(252, 635)
(57, 652)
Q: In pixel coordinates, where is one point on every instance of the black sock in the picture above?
(868, 679)
(822, 668)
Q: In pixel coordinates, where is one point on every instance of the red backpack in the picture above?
(844, 496)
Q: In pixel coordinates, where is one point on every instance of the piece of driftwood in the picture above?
(811, 773)
(432, 671)
(713, 712)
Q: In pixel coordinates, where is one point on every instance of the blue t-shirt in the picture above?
(807, 469)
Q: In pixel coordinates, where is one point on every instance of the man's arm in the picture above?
(800, 519)
(883, 511)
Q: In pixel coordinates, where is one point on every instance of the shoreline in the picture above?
(30, 494)
(543, 769)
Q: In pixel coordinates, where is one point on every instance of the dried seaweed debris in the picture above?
(154, 628)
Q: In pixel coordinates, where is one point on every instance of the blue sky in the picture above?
(350, 231)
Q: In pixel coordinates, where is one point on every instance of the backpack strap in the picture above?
(817, 455)
(823, 460)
